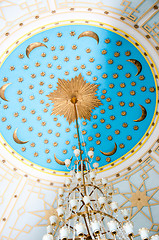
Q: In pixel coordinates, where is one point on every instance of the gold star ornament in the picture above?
(83, 92)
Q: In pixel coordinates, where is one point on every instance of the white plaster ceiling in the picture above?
(27, 194)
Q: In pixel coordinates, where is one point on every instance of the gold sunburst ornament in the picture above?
(74, 92)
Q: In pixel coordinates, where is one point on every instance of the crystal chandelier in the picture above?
(85, 209)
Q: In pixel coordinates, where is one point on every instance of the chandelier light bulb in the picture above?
(53, 220)
(155, 237)
(60, 212)
(68, 182)
(95, 227)
(92, 176)
(79, 176)
(72, 172)
(73, 204)
(61, 192)
(91, 154)
(49, 229)
(128, 227)
(125, 213)
(110, 191)
(67, 162)
(104, 182)
(86, 200)
(109, 200)
(77, 152)
(60, 202)
(144, 233)
(96, 165)
(64, 233)
(47, 237)
(112, 226)
(80, 229)
(114, 206)
(102, 201)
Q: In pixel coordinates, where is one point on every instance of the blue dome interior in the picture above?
(29, 109)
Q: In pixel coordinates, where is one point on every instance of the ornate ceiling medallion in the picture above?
(84, 93)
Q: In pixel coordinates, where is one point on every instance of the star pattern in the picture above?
(44, 215)
(139, 199)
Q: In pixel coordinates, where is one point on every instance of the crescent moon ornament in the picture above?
(137, 64)
(110, 153)
(143, 115)
(33, 46)
(89, 34)
(59, 161)
(16, 139)
(2, 91)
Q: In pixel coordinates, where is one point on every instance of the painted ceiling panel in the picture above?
(127, 95)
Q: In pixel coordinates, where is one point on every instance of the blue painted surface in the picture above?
(82, 44)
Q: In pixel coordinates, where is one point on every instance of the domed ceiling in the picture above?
(125, 84)
(110, 50)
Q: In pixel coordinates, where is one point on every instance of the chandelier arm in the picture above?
(81, 206)
(95, 187)
(91, 211)
(84, 160)
(74, 190)
(86, 185)
(84, 214)
(69, 226)
(91, 192)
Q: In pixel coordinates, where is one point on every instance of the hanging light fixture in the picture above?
(87, 210)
